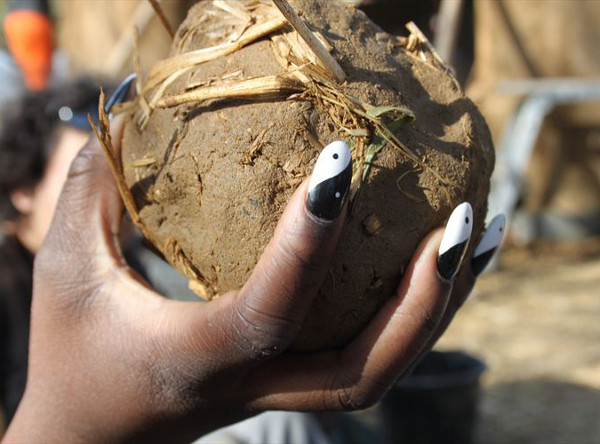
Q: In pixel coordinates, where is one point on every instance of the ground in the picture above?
(536, 324)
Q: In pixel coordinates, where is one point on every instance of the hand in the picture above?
(112, 360)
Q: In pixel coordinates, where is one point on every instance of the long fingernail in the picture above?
(120, 93)
(330, 182)
(489, 244)
(455, 241)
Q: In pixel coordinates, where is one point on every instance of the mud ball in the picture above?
(211, 179)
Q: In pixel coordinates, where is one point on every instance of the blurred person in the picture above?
(40, 135)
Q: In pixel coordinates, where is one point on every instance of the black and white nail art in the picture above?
(455, 241)
(329, 184)
(489, 244)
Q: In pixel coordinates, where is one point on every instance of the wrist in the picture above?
(39, 421)
(43, 418)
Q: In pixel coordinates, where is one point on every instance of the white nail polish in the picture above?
(455, 241)
(330, 182)
(489, 244)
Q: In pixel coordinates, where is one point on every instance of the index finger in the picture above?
(267, 313)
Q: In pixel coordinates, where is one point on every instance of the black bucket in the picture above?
(437, 403)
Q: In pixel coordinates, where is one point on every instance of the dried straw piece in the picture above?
(165, 68)
(114, 161)
(315, 45)
(414, 29)
(260, 87)
(233, 9)
(417, 34)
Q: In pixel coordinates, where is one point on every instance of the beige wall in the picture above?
(88, 31)
(558, 38)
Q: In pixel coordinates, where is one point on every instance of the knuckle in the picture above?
(305, 245)
(356, 398)
(294, 253)
(354, 391)
(261, 334)
(348, 400)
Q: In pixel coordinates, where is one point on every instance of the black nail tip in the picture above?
(449, 261)
(479, 263)
(327, 198)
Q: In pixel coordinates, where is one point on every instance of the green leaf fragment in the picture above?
(392, 113)
(379, 141)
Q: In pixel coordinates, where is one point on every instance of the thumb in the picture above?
(88, 214)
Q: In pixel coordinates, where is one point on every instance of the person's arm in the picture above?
(111, 360)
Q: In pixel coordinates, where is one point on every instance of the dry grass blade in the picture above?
(233, 9)
(389, 135)
(414, 29)
(362, 115)
(141, 163)
(165, 68)
(422, 38)
(121, 108)
(404, 192)
(260, 87)
(114, 161)
(315, 45)
(175, 255)
(164, 85)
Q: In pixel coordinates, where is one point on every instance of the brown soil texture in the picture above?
(226, 168)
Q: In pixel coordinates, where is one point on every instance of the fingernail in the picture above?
(489, 244)
(120, 93)
(330, 181)
(455, 241)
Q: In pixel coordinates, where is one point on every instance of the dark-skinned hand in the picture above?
(111, 360)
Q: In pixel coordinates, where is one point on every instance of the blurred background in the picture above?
(528, 367)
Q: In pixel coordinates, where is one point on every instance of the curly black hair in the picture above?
(27, 134)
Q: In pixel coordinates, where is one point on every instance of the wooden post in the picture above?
(449, 19)
(161, 15)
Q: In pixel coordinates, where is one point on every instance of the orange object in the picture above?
(29, 38)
